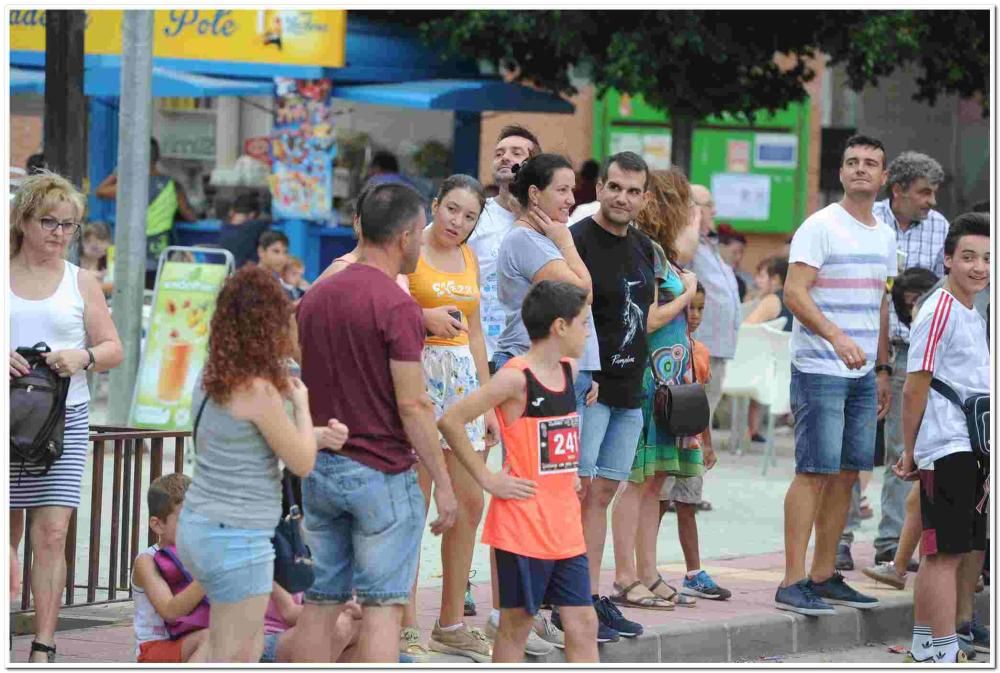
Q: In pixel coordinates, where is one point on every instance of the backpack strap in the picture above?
(947, 392)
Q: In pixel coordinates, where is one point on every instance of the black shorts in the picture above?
(949, 495)
(527, 582)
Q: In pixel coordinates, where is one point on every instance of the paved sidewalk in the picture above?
(745, 628)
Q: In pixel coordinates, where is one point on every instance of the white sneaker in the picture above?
(548, 632)
(537, 646)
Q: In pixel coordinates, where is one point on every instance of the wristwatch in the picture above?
(883, 368)
(90, 354)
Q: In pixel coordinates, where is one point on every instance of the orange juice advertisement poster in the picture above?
(176, 344)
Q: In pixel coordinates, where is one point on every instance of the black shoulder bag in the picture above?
(37, 413)
(977, 417)
(293, 564)
(681, 409)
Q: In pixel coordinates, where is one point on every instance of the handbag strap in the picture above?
(947, 392)
(197, 420)
(286, 484)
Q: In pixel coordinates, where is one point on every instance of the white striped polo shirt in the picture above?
(853, 261)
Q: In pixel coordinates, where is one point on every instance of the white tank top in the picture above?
(148, 624)
(58, 321)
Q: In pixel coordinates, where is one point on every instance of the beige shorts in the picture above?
(682, 489)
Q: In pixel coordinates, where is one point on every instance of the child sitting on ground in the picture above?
(155, 604)
(533, 522)
(686, 492)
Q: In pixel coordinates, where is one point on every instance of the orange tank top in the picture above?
(542, 445)
(432, 288)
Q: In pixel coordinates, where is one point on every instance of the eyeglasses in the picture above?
(69, 227)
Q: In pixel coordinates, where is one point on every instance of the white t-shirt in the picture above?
(494, 224)
(148, 624)
(853, 262)
(949, 341)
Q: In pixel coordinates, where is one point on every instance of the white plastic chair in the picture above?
(778, 388)
(748, 375)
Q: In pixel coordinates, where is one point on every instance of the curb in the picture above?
(750, 638)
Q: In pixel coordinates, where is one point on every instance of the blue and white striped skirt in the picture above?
(61, 485)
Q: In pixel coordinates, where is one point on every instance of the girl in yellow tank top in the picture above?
(455, 365)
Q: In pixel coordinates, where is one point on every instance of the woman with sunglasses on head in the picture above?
(53, 301)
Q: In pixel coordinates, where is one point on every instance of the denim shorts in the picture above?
(609, 438)
(835, 420)
(364, 529)
(233, 564)
(269, 655)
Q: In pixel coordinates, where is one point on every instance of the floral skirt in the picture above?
(451, 375)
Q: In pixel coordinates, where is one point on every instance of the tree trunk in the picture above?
(65, 116)
(681, 132)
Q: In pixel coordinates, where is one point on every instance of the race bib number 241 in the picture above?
(559, 444)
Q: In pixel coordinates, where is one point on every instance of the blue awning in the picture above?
(464, 95)
(167, 83)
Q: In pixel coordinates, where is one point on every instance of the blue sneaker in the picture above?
(609, 615)
(836, 592)
(980, 635)
(703, 586)
(605, 634)
(799, 597)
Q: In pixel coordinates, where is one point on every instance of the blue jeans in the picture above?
(364, 529)
(894, 489)
(835, 421)
(609, 438)
(232, 564)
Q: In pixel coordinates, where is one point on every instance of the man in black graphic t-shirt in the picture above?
(620, 260)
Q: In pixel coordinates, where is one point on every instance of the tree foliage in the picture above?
(701, 63)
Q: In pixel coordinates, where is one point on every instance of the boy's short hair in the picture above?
(293, 263)
(699, 288)
(966, 224)
(270, 237)
(166, 493)
(548, 301)
(915, 279)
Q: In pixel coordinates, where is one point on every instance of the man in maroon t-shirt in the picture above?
(362, 339)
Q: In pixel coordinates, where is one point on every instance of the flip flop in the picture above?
(646, 602)
(675, 598)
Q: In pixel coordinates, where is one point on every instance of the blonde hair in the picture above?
(293, 263)
(669, 209)
(38, 195)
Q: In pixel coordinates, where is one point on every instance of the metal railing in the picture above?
(128, 451)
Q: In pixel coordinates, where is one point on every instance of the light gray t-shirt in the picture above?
(236, 477)
(522, 255)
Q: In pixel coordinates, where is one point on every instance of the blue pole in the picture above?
(102, 146)
(465, 143)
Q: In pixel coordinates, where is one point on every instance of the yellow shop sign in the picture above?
(277, 37)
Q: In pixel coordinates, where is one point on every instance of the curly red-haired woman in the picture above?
(241, 430)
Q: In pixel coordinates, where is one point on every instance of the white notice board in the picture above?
(741, 196)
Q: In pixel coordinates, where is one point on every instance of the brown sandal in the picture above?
(675, 598)
(49, 650)
(646, 602)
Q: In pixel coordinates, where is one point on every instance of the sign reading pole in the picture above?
(176, 343)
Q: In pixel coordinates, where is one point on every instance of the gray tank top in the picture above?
(236, 477)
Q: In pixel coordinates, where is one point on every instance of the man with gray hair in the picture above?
(920, 230)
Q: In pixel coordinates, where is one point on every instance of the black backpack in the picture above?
(37, 414)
